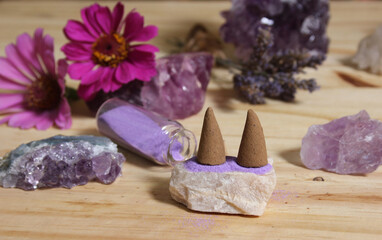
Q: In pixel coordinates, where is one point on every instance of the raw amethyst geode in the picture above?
(61, 161)
(296, 25)
(176, 92)
(349, 145)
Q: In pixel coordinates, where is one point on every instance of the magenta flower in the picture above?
(31, 88)
(101, 50)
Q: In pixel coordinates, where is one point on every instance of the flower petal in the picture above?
(19, 61)
(104, 19)
(146, 34)
(77, 51)
(142, 59)
(88, 16)
(62, 69)
(7, 70)
(76, 31)
(117, 16)
(78, 70)
(19, 107)
(142, 65)
(25, 45)
(45, 120)
(10, 99)
(114, 85)
(143, 74)
(64, 118)
(123, 73)
(44, 48)
(48, 59)
(24, 120)
(107, 79)
(5, 119)
(41, 42)
(133, 25)
(88, 92)
(145, 48)
(7, 84)
(92, 77)
(47, 54)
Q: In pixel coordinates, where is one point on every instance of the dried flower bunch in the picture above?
(199, 39)
(273, 75)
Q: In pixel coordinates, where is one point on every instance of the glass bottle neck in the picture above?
(182, 144)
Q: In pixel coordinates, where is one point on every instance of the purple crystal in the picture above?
(349, 145)
(61, 161)
(178, 90)
(369, 53)
(297, 25)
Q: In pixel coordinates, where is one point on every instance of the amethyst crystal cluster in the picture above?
(349, 145)
(176, 92)
(296, 25)
(61, 161)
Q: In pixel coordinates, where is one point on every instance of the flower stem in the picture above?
(226, 63)
(71, 94)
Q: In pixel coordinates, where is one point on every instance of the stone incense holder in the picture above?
(214, 182)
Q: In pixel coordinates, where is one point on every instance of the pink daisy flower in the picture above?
(101, 50)
(31, 88)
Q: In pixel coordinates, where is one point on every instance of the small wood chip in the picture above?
(320, 179)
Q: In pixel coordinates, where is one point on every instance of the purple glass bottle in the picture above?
(143, 132)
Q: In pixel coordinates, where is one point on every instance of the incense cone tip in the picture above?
(252, 151)
(211, 146)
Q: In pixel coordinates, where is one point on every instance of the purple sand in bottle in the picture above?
(229, 166)
(135, 131)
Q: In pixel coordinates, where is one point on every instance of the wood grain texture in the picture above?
(138, 205)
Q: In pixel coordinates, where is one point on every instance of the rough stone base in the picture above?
(229, 192)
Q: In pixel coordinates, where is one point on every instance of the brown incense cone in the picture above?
(211, 145)
(252, 151)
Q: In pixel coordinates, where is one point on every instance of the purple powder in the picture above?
(229, 166)
(139, 132)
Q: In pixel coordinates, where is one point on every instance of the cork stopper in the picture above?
(211, 145)
(252, 151)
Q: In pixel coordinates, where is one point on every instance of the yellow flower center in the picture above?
(110, 50)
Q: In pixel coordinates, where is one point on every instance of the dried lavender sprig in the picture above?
(273, 76)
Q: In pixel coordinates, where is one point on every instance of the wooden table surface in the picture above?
(138, 205)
